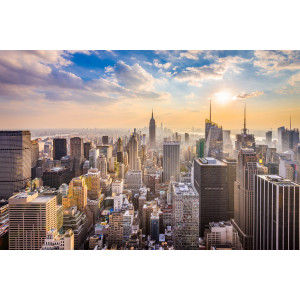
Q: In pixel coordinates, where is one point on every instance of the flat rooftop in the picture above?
(211, 161)
(278, 180)
(184, 189)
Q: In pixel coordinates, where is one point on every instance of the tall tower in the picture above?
(77, 155)
(152, 129)
(15, 161)
(243, 196)
(133, 153)
(59, 148)
(244, 139)
(171, 161)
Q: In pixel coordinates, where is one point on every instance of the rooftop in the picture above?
(210, 161)
(278, 180)
(184, 189)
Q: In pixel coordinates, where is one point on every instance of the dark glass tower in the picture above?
(59, 148)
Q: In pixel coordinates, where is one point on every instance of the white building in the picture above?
(134, 180)
(93, 155)
(117, 187)
(222, 234)
(56, 241)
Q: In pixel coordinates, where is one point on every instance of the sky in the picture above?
(114, 89)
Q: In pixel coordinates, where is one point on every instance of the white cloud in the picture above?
(248, 95)
(159, 65)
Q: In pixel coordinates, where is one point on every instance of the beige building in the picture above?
(56, 241)
(78, 193)
(31, 217)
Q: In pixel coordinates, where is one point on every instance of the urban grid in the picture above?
(151, 188)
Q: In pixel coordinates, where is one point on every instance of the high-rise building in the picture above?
(92, 179)
(102, 165)
(211, 182)
(34, 153)
(154, 226)
(105, 140)
(59, 148)
(115, 231)
(31, 217)
(78, 193)
(186, 138)
(171, 161)
(77, 155)
(231, 178)
(276, 213)
(287, 138)
(134, 181)
(214, 140)
(244, 139)
(93, 155)
(56, 176)
(200, 146)
(120, 153)
(86, 150)
(185, 216)
(152, 130)
(133, 153)
(78, 222)
(15, 161)
(106, 150)
(243, 196)
(269, 138)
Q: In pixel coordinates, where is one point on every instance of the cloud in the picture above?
(159, 65)
(274, 61)
(213, 71)
(248, 95)
(191, 54)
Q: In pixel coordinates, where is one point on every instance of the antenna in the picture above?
(245, 129)
(152, 112)
(290, 122)
(210, 109)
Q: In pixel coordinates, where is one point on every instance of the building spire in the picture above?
(245, 129)
(290, 122)
(210, 109)
(152, 112)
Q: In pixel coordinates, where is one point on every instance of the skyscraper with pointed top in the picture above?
(244, 139)
(152, 129)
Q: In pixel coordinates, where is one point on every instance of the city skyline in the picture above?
(84, 89)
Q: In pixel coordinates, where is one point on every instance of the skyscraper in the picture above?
(133, 153)
(78, 192)
(86, 149)
(15, 161)
(102, 165)
(171, 161)
(244, 139)
(185, 212)
(77, 155)
(105, 140)
(211, 183)
(152, 129)
(243, 196)
(31, 217)
(269, 138)
(59, 148)
(276, 213)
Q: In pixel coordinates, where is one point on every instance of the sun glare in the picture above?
(223, 97)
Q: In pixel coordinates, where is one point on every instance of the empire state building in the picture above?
(152, 129)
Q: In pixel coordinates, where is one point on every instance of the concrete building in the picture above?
(211, 182)
(31, 217)
(134, 181)
(92, 180)
(15, 161)
(243, 196)
(171, 161)
(115, 231)
(59, 148)
(220, 234)
(117, 186)
(276, 213)
(152, 132)
(78, 222)
(76, 155)
(78, 193)
(185, 216)
(56, 241)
